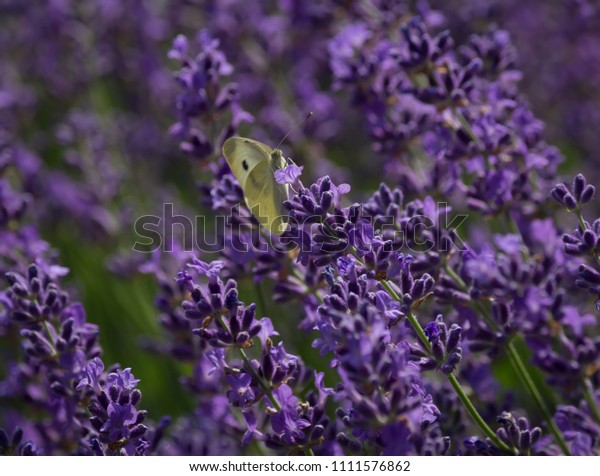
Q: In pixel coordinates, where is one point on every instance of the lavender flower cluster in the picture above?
(562, 86)
(449, 310)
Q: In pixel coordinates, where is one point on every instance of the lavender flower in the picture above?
(14, 445)
(115, 418)
(580, 194)
(288, 175)
(228, 323)
(362, 272)
(204, 96)
(445, 349)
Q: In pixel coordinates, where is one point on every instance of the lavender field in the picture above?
(434, 288)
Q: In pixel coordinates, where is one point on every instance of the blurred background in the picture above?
(88, 92)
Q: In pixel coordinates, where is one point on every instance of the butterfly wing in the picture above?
(265, 197)
(243, 155)
(254, 165)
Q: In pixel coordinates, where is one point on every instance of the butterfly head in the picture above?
(277, 156)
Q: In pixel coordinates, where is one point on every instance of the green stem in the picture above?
(454, 275)
(521, 369)
(45, 323)
(463, 122)
(411, 317)
(591, 401)
(50, 339)
(463, 286)
(248, 364)
(515, 229)
(479, 421)
(262, 303)
(302, 280)
(266, 388)
(581, 220)
(583, 228)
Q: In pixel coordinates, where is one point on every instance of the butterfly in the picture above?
(254, 165)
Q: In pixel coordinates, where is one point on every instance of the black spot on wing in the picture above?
(245, 165)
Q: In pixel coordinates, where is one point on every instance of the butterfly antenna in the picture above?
(294, 128)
